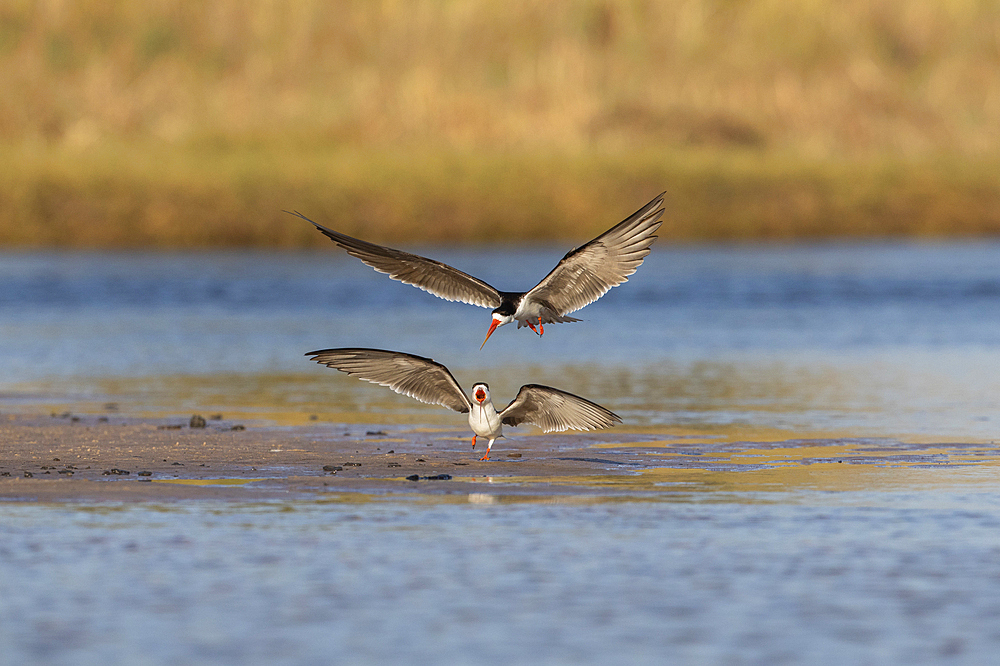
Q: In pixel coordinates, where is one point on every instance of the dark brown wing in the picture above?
(589, 271)
(432, 276)
(552, 410)
(418, 377)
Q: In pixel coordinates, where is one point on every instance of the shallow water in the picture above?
(848, 578)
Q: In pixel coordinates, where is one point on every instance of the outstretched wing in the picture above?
(552, 410)
(589, 271)
(418, 377)
(432, 276)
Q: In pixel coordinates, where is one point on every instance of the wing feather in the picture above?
(553, 410)
(588, 272)
(432, 276)
(420, 378)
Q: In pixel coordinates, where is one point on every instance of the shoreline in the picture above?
(125, 459)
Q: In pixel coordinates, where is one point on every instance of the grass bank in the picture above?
(123, 197)
(186, 124)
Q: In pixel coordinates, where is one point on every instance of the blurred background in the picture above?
(173, 124)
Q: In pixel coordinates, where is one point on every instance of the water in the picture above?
(816, 580)
(891, 339)
(802, 561)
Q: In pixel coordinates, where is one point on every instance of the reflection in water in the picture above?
(690, 469)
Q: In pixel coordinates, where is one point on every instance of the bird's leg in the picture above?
(474, 441)
(488, 447)
(540, 330)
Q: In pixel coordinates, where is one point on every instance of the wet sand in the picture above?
(123, 459)
(112, 458)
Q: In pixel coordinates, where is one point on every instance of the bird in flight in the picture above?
(428, 381)
(581, 277)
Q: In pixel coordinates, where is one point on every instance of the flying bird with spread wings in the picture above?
(428, 381)
(582, 276)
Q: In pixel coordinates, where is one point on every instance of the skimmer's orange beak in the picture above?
(493, 327)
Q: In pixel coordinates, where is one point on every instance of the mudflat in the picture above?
(101, 458)
(125, 459)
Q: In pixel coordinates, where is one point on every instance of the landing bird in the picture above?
(585, 274)
(428, 381)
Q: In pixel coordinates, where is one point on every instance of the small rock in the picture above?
(29, 475)
(394, 464)
(197, 421)
(145, 473)
(215, 417)
(168, 427)
(439, 477)
(513, 455)
(313, 417)
(177, 463)
(376, 433)
(350, 464)
(55, 460)
(4, 473)
(412, 477)
(238, 427)
(392, 450)
(67, 472)
(102, 419)
(114, 471)
(332, 468)
(421, 460)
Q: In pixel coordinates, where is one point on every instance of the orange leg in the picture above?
(488, 447)
(473, 441)
(541, 328)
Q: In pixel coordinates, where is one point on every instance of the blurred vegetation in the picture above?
(184, 124)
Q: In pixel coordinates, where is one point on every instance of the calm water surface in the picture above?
(895, 340)
(853, 578)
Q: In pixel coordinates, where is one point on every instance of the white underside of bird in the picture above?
(484, 419)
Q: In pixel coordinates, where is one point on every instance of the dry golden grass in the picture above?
(176, 123)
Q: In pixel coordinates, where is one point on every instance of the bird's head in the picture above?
(499, 319)
(481, 392)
